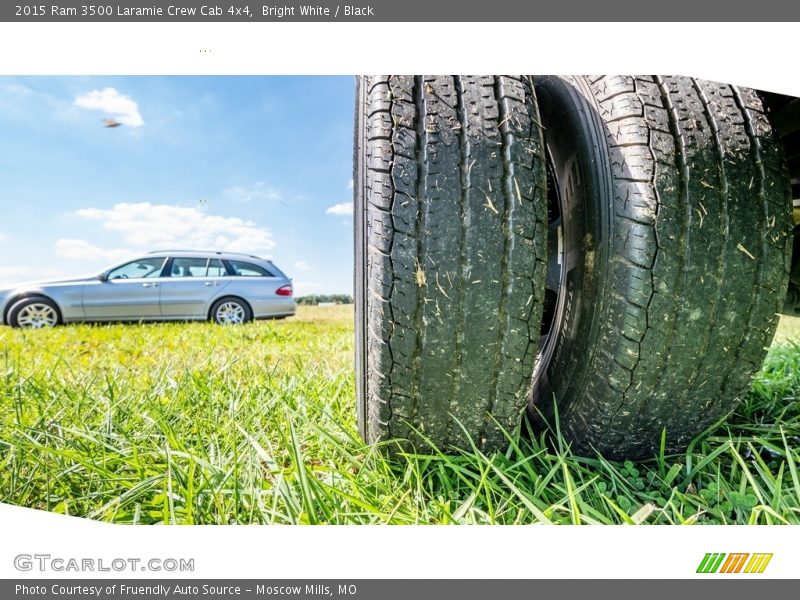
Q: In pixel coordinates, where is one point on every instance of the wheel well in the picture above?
(784, 117)
(24, 296)
(783, 113)
(218, 300)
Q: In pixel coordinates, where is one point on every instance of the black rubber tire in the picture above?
(450, 228)
(13, 312)
(248, 312)
(679, 234)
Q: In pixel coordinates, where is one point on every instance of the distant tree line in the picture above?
(319, 298)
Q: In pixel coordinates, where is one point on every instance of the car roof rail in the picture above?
(174, 250)
(217, 252)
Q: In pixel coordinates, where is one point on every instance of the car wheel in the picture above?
(231, 311)
(676, 227)
(450, 233)
(34, 313)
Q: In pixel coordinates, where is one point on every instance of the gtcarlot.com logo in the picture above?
(738, 562)
(59, 564)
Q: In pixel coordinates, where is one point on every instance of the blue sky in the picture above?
(261, 165)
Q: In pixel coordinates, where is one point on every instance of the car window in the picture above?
(245, 269)
(138, 269)
(189, 267)
(216, 268)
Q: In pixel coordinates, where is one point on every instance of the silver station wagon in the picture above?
(224, 287)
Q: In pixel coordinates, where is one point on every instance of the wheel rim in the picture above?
(555, 281)
(230, 313)
(37, 316)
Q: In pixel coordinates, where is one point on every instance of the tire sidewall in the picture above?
(360, 255)
(575, 140)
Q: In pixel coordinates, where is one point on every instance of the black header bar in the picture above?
(401, 11)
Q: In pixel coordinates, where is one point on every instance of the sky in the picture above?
(260, 165)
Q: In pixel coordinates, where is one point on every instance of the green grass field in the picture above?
(195, 423)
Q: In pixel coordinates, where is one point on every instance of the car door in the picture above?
(190, 285)
(129, 292)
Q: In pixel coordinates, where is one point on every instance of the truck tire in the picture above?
(677, 245)
(450, 232)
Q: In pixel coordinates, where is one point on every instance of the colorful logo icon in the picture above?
(719, 562)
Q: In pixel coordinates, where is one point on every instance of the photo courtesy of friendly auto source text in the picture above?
(234, 294)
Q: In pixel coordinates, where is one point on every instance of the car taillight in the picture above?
(284, 291)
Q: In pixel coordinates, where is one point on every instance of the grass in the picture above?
(194, 423)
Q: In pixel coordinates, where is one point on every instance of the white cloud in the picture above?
(71, 248)
(3, 237)
(160, 226)
(350, 185)
(255, 192)
(344, 209)
(18, 274)
(302, 265)
(110, 101)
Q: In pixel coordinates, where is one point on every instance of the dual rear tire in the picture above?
(608, 252)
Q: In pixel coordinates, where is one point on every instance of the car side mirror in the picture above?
(103, 277)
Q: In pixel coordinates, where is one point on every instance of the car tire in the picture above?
(677, 237)
(34, 312)
(231, 311)
(450, 232)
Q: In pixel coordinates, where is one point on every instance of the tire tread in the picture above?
(454, 204)
(701, 225)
